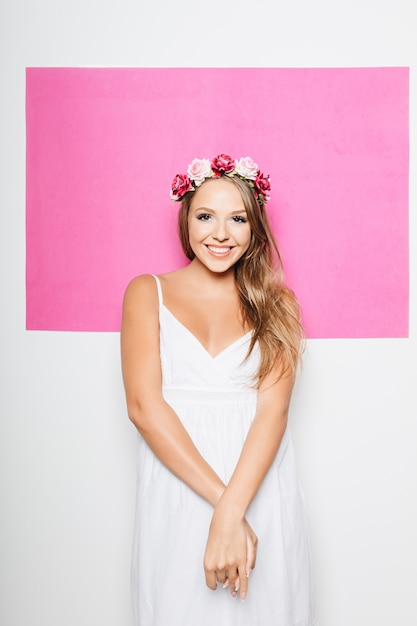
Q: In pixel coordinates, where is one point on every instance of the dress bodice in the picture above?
(187, 365)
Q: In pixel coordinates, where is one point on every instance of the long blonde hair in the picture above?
(268, 306)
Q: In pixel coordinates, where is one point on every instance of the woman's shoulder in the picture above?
(142, 282)
(144, 286)
(141, 290)
(174, 275)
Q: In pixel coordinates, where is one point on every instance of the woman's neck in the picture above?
(199, 272)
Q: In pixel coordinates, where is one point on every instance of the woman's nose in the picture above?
(220, 232)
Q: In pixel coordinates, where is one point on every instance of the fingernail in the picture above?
(226, 584)
(248, 572)
(243, 596)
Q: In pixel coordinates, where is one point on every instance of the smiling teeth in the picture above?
(218, 250)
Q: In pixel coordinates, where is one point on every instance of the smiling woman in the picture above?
(218, 227)
(209, 356)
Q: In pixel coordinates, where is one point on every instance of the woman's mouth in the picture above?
(219, 251)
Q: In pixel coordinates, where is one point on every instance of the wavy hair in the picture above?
(268, 306)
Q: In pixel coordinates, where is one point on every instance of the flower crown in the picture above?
(223, 164)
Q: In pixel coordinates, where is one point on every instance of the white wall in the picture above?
(67, 450)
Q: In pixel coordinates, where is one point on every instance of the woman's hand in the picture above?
(230, 552)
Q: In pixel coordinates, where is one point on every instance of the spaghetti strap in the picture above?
(158, 285)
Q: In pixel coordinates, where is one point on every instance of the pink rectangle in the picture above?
(104, 144)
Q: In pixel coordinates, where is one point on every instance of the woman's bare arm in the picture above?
(262, 442)
(226, 537)
(153, 417)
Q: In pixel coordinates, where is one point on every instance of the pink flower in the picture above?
(247, 168)
(263, 185)
(223, 164)
(180, 185)
(199, 170)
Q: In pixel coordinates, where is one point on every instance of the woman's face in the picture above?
(218, 227)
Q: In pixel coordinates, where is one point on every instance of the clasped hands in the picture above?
(230, 552)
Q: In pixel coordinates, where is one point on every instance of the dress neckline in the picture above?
(237, 341)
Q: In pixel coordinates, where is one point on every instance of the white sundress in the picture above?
(213, 398)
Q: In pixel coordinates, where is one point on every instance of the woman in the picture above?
(209, 355)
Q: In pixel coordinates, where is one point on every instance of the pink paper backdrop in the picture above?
(104, 144)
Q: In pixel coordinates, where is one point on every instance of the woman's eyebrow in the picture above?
(235, 212)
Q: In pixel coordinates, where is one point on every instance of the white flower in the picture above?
(247, 168)
(199, 170)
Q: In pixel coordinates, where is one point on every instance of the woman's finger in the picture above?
(211, 580)
(251, 548)
(221, 576)
(233, 580)
(243, 578)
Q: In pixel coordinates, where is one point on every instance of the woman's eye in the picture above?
(203, 217)
(240, 219)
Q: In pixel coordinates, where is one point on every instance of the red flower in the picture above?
(222, 164)
(263, 185)
(180, 185)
